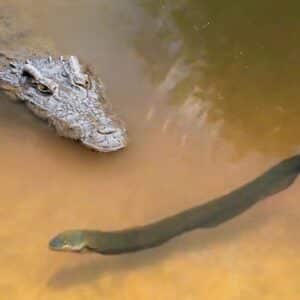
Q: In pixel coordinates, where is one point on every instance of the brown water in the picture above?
(210, 94)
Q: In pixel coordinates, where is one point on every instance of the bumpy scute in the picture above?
(72, 100)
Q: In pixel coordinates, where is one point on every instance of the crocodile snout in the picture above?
(106, 142)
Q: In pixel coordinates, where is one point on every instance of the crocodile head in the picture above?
(70, 98)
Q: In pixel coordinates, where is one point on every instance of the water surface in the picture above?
(209, 92)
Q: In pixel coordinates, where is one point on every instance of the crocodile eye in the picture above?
(85, 83)
(44, 89)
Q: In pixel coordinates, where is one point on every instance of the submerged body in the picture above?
(211, 214)
(67, 95)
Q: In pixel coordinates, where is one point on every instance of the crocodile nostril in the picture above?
(106, 130)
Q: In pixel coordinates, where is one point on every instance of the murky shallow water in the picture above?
(210, 95)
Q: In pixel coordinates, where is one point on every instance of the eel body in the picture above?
(208, 215)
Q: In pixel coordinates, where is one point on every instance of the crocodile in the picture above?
(66, 94)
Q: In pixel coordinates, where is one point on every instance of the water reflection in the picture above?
(236, 57)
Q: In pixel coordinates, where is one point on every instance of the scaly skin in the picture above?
(211, 214)
(60, 91)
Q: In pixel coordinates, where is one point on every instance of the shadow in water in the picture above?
(15, 116)
(194, 241)
(14, 113)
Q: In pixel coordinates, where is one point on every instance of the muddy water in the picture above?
(209, 92)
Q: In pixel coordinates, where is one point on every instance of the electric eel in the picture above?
(208, 215)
